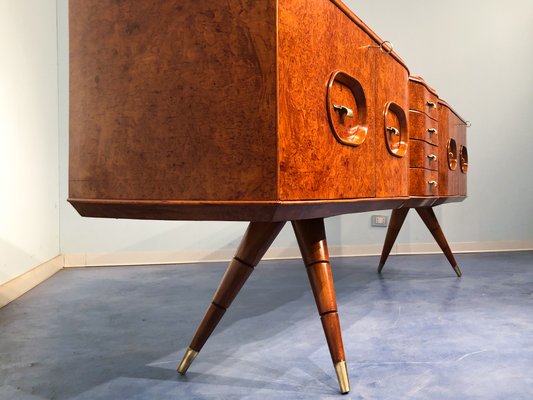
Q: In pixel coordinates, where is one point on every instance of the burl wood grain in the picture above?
(423, 98)
(421, 155)
(423, 127)
(173, 99)
(217, 110)
(461, 142)
(391, 86)
(452, 182)
(313, 164)
(423, 182)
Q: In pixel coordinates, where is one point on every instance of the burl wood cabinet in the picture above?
(265, 111)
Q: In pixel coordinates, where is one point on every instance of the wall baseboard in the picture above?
(16, 287)
(77, 260)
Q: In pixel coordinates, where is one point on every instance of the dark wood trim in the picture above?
(396, 221)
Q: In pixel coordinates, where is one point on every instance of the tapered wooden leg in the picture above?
(256, 241)
(430, 219)
(311, 238)
(396, 221)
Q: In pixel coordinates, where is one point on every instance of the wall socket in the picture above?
(379, 220)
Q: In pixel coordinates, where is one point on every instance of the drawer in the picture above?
(423, 182)
(423, 155)
(423, 128)
(421, 99)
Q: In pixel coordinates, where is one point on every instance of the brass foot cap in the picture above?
(457, 271)
(342, 376)
(187, 360)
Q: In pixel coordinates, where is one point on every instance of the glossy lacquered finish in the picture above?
(242, 123)
(422, 127)
(452, 177)
(423, 98)
(264, 111)
(423, 155)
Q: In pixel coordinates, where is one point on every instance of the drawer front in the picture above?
(420, 99)
(423, 155)
(423, 182)
(423, 128)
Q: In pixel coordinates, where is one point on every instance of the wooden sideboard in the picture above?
(266, 111)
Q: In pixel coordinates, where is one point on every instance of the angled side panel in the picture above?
(173, 100)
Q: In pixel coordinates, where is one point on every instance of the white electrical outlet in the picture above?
(379, 220)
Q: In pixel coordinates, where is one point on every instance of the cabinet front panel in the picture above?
(450, 174)
(391, 88)
(326, 138)
(463, 166)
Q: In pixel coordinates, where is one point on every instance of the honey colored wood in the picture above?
(422, 127)
(187, 110)
(423, 155)
(423, 182)
(377, 40)
(422, 98)
(452, 128)
(463, 157)
(429, 218)
(391, 172)
(313, 164)
(347, 109)
(311, 237)
(264, 111)
(445, 174)
(256, 241)
(396, 221)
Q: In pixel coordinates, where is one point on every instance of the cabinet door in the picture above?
(326, 99)
(392, 161)
(449, 169)
(462, 157)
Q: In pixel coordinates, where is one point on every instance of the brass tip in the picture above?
(342, 376)
(187, 360)
(457, 271)
(380, 267)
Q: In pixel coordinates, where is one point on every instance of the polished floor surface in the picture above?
(415, 332)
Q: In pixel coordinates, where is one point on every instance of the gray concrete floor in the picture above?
(416, 332)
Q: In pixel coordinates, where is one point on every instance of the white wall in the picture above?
(478, 56)
(29, 209)
(475, 53)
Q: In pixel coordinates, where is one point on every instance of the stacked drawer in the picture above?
(423, 139)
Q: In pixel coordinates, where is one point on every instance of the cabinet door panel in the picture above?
(391, 87)
(315, 40)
